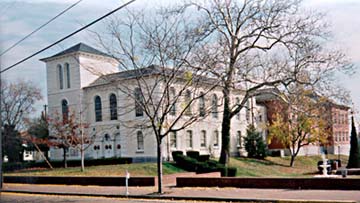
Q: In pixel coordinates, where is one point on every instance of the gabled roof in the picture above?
(80, 47)
(144, 72)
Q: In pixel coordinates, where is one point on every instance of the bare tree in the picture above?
(255, 45)
(17, 103)
(163, 95)
(68, 132)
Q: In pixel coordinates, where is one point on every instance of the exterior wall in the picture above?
(338, 122)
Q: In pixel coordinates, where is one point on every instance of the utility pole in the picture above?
(45, 110)
(1, 125)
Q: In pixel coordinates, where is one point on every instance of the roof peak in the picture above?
(80, 47)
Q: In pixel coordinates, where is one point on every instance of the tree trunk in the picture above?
(292, 161)
(65, 161)
(225, 130)
(82, 159)
(159, 167)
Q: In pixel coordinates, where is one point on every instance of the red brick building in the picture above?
(337, 119)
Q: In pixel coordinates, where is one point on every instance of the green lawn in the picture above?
(270, 167)
(305, 166)
(135, 169)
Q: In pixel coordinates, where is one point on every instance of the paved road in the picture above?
(27, 198)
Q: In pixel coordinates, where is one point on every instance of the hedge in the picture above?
(192, 164)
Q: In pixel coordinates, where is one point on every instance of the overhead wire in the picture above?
(39, 28)
(64, 38)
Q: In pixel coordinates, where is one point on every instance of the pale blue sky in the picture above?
(20, 17)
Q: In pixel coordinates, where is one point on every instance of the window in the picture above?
(106, 137)
(64, 110)
(67, 74)
(140, 141)
(61, 76)
(214, 106)
(238, 139)
(188, 102)
(202, 104)
(216, 138)
(139, 101)
(237, 104)
(173, 142)
(172, 101)
(113, 107)
(98, 112)
(203, 138)
(248, 111)
(189, 137)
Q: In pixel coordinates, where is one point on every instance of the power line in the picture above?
(52, 19)
(62, 39)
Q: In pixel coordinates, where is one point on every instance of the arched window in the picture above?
(113, 107)
(61, 76)
(67, 74)
(216, 138)
(202, 104)
(237, 104)
(140, 141)
(214, 106)
(173, 141)
(139, 101)
(203, 139)
(106, 137)
(98, 112)
(172, 101)
(65, 109)
(188, 102)
(189, 139)
(238, 139)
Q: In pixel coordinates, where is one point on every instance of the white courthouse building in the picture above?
(74, 82)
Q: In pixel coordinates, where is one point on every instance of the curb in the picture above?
(154, 197)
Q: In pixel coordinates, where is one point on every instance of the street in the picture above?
(29, 198)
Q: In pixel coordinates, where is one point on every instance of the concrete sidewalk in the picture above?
(205, 194)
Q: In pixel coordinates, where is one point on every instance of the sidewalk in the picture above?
(206, 194)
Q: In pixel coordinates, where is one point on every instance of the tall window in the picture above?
(202, 104)
(140, 141)
(237, 103)
(113, 107)
(189, 137)
(172, 101)
(238, 139)
(61, 76)
(203, 139)
(67, 72)
(173, 142)
(248, 111)
(188, 102)
(139, 100)
(214, 106)
(98, 112)
(65, 110)
(216, 138)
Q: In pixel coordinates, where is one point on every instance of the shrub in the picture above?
(204, 158)
(175, 155)
(254, 143)
(231, 172)
(193, 154)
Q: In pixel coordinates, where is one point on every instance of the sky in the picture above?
(20, 17)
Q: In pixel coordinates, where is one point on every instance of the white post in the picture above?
(127, 177)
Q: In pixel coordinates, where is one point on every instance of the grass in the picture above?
(135, 169)
(305, 166)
